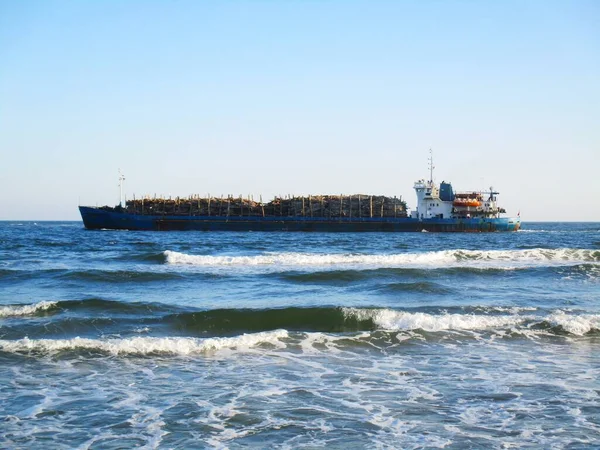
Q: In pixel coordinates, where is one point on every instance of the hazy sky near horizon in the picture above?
(299, 97)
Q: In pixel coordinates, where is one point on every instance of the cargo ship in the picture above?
(438, 209)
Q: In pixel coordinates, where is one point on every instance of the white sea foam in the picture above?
(399, 320)
(24, 310)
(575, 324)
(387, 319)
(144, 345)
(521, 230)
(506, 309)
(501, 259)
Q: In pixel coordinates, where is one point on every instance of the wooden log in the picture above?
(350, 207)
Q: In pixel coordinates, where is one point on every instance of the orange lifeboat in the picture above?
(466, 202)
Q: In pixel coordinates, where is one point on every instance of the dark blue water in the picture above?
(117, 339)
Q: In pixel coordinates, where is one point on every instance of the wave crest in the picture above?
(391, 320)
(25, 310)
(387, 319)
(143, 345)
(577, 325)
(502, 259)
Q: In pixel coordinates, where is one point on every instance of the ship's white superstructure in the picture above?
(440, 201)
(429, 203)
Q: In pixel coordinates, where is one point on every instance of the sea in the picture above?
(185, 340)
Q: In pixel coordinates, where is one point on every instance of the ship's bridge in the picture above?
(429, 203)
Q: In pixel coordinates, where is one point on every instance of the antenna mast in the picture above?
(121, 179)
(431, 166)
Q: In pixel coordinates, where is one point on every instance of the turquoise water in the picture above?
(118, 339)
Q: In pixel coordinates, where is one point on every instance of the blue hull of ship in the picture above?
(96, 219)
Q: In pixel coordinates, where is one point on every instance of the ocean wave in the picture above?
(419, 286)
(390, 275)
(26, 310)
(117, 276)
(528, 230)
(115, 306)
(81, 316)
(143, 345)
(575, 324)
(559, 321)
(387, 319)
(226, 321)
(89, 305)
(498, 259)
(591, 229)
(152, 257)
(503, 309)
(6, 272)
(589, 270)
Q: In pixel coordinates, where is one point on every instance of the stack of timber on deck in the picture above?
(328, 206)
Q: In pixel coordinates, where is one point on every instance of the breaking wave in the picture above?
(573, 324)
(90, 306)
(81, 317)
(559, 321)
(26, 310)
(144, 345)
(493, 259)
(369, 323)
(387, 319)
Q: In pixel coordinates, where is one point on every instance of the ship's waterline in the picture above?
(438, 209)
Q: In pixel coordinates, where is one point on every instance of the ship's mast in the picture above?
(121, 179)
(431, 167)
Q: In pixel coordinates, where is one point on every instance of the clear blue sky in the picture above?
(299, 97)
